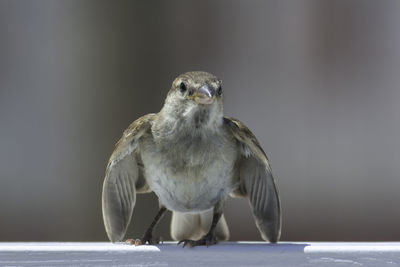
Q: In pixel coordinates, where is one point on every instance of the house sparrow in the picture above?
(192, 158)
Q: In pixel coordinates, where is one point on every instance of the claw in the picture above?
(206, 240)
(146, 239)
(185, 242)
(139, 242)
(130, 241)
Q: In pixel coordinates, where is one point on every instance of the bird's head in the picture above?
(195, 97)
(196, 88)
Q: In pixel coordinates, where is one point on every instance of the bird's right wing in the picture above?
(124, 176)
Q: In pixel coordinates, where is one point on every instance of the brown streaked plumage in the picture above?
(192, 158)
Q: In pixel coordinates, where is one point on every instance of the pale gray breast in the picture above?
(191, 174)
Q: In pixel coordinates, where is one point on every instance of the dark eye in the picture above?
(219, 90)
(182, 87)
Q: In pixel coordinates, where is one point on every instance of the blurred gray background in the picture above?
(316, 81)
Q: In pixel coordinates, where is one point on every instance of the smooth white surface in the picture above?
(223, 254)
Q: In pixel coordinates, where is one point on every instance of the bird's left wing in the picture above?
(256, 181)
(124, 176)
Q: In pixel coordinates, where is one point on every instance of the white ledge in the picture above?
(222, 254)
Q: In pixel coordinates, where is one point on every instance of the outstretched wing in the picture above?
(124, 176)
(256, 181)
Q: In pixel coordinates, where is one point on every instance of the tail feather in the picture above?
(195, 225)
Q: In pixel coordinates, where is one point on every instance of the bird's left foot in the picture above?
(146, 239)
(207, 240)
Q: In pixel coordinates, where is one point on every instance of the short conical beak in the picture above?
(205, 95)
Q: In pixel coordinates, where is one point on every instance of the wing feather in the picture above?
(256, 181)
(124, 177)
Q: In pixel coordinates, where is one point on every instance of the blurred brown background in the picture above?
(316, 81)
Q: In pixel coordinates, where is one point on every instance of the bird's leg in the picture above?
(148, 235)
(209, 238)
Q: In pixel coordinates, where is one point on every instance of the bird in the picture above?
(193, 158)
